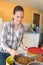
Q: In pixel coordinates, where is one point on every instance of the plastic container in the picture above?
(33, 51)
(9, 60)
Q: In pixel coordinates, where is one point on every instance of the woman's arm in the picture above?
(4, 37)
(4, 41)
(21, 41)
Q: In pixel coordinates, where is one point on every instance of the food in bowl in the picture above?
(23, 60)
(12, 63)
(39, 58)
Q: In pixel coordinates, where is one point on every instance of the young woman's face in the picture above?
(18, 16)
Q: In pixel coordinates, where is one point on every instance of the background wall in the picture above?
(42, 18)
(6, 11)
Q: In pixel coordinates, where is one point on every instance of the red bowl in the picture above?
(35, 50)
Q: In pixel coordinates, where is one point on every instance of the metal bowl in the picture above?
(25, 55)
(35, 63)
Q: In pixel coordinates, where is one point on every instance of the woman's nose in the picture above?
(19, 19)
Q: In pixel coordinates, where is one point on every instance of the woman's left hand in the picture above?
(22, 45)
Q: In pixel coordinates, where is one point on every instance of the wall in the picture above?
(42, 18)
(31, 40)
(6, 10)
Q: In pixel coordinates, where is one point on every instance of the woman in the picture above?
(12, 33)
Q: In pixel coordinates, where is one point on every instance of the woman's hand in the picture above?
(22, 45)
(12, 52)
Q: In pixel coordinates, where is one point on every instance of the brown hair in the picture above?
(18, 8)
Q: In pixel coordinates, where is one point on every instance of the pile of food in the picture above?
(12, 63)
(23, 60)
(39, 58)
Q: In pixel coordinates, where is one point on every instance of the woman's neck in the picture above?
(16, 27)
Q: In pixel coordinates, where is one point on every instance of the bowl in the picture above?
(35, 63)
(34, 51)
(39, 58)
(21, 58)
(9, 60)
(33, 55)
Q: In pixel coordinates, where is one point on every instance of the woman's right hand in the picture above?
(12, 52)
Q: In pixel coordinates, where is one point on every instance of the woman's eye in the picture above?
(17, 16)
(21, 16)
